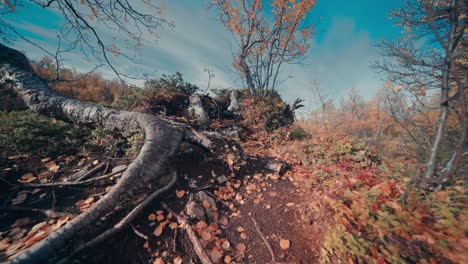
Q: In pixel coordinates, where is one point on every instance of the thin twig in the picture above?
(197, 245)
(265, 241)
(91, 172)
(138, 233)
(64, 184)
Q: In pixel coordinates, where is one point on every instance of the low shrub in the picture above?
(24, 132)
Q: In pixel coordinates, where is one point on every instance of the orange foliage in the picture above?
(92, 87)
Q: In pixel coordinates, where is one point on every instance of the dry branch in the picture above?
(265, 241)
(65, 184)
(197, 245)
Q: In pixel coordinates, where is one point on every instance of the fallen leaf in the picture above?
(44, 160)
(52, 166)
(160, 217)
(173, 225)
(243, 235)
(215, 255)
(201, 224)
(226, 245)
(240, 229)
(241, 247)
(151, 217)
(90, 200)
(227, 259)
(180, 193)
(158, 261)
(206, 204)
(177, 260)
(284, 244)
(27, 178)
(61, 221)
(159, 229)
(224, 221)
(205, 235)
(4, 243)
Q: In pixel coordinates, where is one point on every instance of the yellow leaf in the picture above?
(284, 244)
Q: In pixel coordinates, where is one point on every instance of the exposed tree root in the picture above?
(161, 142)
(127, 220)
(197, 245)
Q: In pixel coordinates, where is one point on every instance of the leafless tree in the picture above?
(437, 69)
(324, 99)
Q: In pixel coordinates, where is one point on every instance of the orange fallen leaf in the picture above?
(284, 244)
(160, 217)
(206, 235)
(240, 229)
(27, 178)
(159, 229)
(158, 261)
(206, 204)
(151, 217)
(180, 193)
(241, 247)
(61, 221)
(243, 235)
(4, 243)
(90, 200)
(44, 160)
(177, 260)
(227, 259)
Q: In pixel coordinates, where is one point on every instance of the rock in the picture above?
(231, 133)
(197, 111)
(195, 210)
(119, 168)
(234, 106)
(202, 196)
(222, 179)
(277, 166)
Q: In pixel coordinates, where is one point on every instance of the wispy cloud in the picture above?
(339, 60)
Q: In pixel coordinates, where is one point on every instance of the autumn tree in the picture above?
(266, 41)
(437, 69)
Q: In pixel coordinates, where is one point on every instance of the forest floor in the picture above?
(258, 215)
(322, 198)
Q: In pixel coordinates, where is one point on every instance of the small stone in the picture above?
(195, 210)
(222, 179)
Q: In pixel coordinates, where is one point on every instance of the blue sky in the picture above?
(339, 57)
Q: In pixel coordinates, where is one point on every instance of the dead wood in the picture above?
(197, 245)
(91, 172)
(265, 241)
(70, 184)
(161, 142)
(124, 222)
